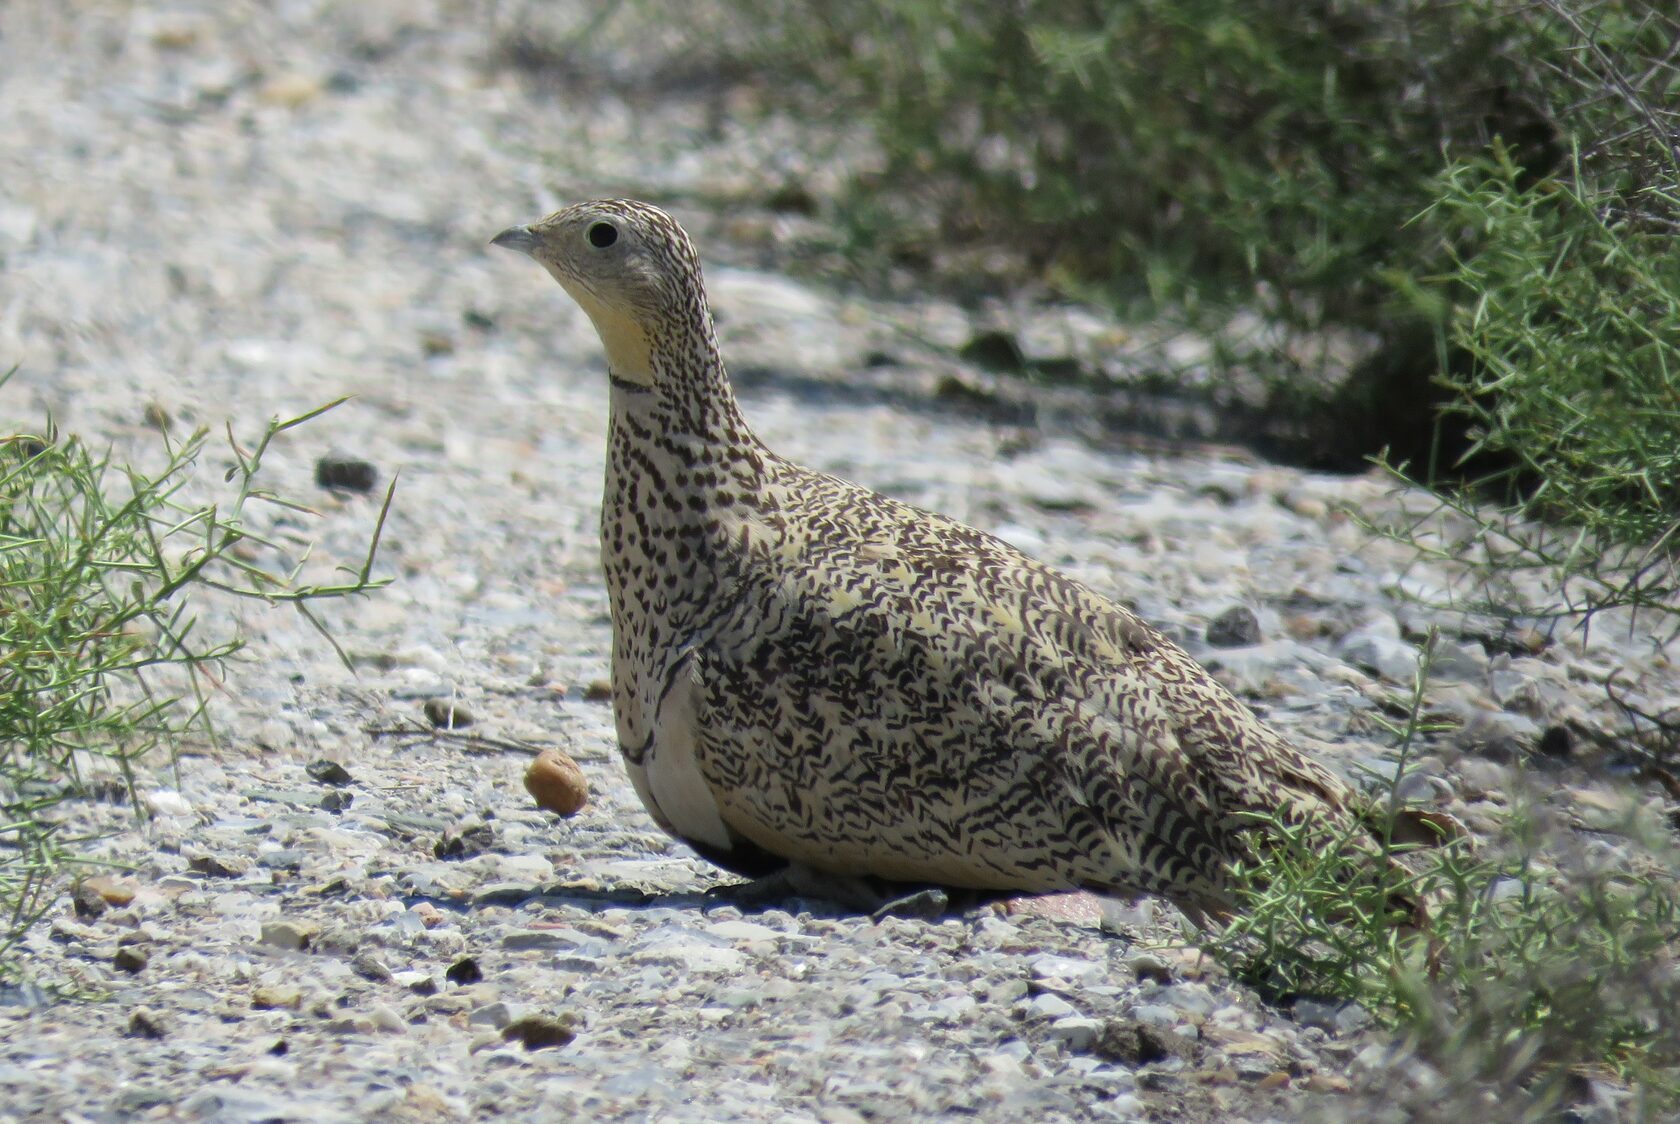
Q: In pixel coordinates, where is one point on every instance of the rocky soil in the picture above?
(233, 211)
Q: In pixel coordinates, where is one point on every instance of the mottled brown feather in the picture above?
(871, 689)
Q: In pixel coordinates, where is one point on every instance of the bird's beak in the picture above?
(521, 238)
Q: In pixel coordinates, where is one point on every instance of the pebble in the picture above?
(1334, 1017)
(446, 714)
(556, 783)
(328, 772)
(1192, 998)
(113, 890)
(1132, 1042)
(464, 971)
(1236, 627)
(283, 859)
(953, 1009)
(1377, 647)
(1156, 1014)
(128, 960)
(524, 939)
(1501, 735)
(1076, 1032)
(348, 473)
(385, 1017)
(1149, 966)
(743, 931)
(1327, 1083)
(1479, 777)
(1050, 1006)
(497, 1015)
(464, 841)
(276, 995)
(691, 956)
(1064, 968)
(165, 802)
(218, 867)
(1423, 790)
(293, 935)
(143, 1022)
(86, 902)
(1455, 660)
(540, 1032)
(1006, 991)
(418, 981)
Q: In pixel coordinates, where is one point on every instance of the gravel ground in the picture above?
(239, 211)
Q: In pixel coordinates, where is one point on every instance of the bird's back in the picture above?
(890, 692)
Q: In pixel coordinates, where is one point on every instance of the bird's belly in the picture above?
(670, 784)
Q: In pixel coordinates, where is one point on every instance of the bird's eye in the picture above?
(602, 235)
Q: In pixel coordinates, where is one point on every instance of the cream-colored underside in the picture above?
(674, 790)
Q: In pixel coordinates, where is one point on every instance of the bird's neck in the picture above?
(678, 399)
(682, 471)
(680, 454)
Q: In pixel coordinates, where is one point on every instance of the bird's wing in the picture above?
(922, 685)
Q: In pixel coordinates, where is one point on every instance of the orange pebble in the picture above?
(557, 783)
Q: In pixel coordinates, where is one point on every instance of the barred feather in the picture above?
(805, 671)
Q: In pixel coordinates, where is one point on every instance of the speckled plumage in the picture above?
(805, 671)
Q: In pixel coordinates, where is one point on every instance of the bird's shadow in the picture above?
(925, 902)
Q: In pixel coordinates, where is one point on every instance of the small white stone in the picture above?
(1077, 1032)
(954, 1008)
(697, 958)
(1156, 1015)
(742, 931)
(1048, 1006)
(1063, 968)
(167, 802)
(1193, 998)
(386, 1018)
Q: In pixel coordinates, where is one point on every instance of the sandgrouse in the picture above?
(805, 672)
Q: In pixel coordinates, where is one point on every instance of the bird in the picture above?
(810, 676)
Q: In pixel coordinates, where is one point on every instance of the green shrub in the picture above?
(1541, 955)
(1576, 365)
(1197, 158)
(1573, 383)
(102, 658)
(1191, 158)
(1533, 963)
(1169, 150)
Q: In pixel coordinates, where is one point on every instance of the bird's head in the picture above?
(632, 269)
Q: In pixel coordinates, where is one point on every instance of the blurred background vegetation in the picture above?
(1430, 186)
(1434, 232)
